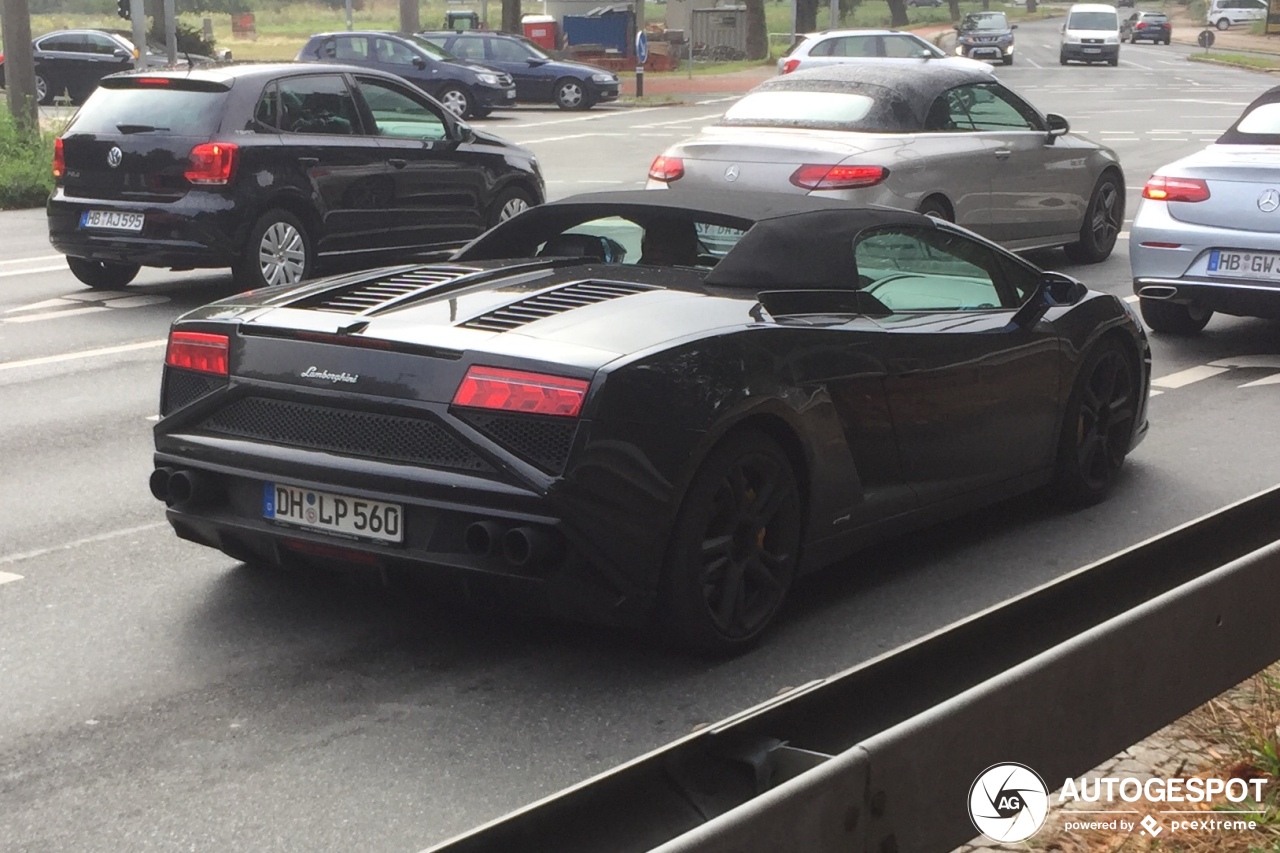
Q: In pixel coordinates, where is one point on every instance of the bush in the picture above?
(190, 39)
(26, 175)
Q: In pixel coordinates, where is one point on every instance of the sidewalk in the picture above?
(1237, 39)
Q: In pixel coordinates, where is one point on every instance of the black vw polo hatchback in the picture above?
(273, 170)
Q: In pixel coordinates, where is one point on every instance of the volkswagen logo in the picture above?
(1269, 201)
(731, 173)
(115, 155)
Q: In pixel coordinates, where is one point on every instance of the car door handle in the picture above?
(308, 162)
(1002, 153)
(398, 163)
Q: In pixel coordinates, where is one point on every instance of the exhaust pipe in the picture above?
(526, 546)
(482, 537)
(1158, 291)
(188, 487)
(158, 482)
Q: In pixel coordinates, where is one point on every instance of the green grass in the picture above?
(26, 176)
(1243, 59)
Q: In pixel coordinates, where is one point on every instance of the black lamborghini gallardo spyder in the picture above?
(646, 407)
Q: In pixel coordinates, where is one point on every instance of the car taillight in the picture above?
(1161, 188)
(198, 351)
(213, 163)
(521, 391)
(666, 169)
(151, 81)
(821, 177)
(1140, 26)
(59, 158)
(790, 65)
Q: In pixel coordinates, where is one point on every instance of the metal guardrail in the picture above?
(881, 757)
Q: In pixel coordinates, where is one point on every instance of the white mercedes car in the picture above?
(838, 47)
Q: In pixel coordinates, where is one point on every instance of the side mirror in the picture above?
(1058, 126)
(535, 61)
(1055, 290)
(121, 53)
(419, 63)
(463, 133)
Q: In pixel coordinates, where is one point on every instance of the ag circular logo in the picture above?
(1008, 802)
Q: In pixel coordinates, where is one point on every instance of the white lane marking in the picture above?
(1031, 62)
(1185, 377)
(1131, 299)
(33, 260)
(9, 577)
(684, 120)
(718, 100)
(76, 543)
(1154, 392)
(73, 356)
(1271, 362)
(34, 270)
(47, 303)
(596, 117)
(53, 315)
(570, 136)
(1136, 65)
(153, 418)
(1274, 379)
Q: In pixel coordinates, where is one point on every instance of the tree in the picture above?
(898, 13)
(511, 16)
(954, 6)
(757, 30)
(806, 15)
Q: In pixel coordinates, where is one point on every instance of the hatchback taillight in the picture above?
(198, 351)
(666, 169)
(1161, 188)
(790, 65)
(521, 391)
(1140, 26)
(59, 158)
(213, 163)
(822, 177)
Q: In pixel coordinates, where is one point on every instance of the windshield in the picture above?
(434, 51)
(1092, 21)
(986, 22)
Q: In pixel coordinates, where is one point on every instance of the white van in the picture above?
(1092, 34)
(1224, 13)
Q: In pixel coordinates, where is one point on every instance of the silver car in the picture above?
(950, 142)
(1206, 236)
(841, 47)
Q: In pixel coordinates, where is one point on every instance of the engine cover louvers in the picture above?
(552, 302)
(366, 296)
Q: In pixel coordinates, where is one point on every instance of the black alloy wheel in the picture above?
(734, 548)
(1098, 428)
(1174, 318)
(1103, 219)
(102, 275)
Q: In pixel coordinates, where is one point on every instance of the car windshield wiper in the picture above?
(138, 128)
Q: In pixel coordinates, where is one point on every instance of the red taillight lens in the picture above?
(666, 169)
(198, 351)
(519, 391)
(213, 163)
(1160, 188)
(59, 159)
(790, 65)
(819, 177)
(1140, 26)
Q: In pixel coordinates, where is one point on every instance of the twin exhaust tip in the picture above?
(177, 486)
(522, 547)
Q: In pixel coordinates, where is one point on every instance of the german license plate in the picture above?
(356, 517)
(113, 219)
(1263, 265)
(511, 93)
(1093, 50)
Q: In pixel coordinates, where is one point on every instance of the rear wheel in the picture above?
(456, 100)
(570, 94)
(102, 275)
(734, 548)
(1098, 426)
(1223, 24)
(278, 251)
(44, 92)
(936, 207)
(1174, 318)
(1102, 220)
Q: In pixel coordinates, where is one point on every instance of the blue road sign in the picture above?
(642, 48)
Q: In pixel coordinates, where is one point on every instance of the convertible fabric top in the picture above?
(1233, 136)
(792, 241)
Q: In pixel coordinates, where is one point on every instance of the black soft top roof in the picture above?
(792, 241)
(1233, 134)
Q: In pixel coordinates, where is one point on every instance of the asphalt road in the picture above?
(156, 696)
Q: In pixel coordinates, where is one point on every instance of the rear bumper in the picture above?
(1242, 298)
(1151, 35)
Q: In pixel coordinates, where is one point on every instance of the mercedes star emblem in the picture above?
(1269, 200)
(731, 173)
(115, 155)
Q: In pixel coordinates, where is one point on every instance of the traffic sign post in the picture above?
(1205, 39)
(642, 56)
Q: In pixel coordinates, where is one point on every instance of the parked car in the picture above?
(272, 170)
(71, 62)
(950, 142)
(986, 35)
(539, 77)
(836, 47)
(1206, 236)
(1146, 26)
(465, 88)
(555, 415)
(1224, 13)
(1091, 34)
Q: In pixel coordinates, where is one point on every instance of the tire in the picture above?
(1174, 318)
(1223, 24)
(733, 550)
(1097, 427)
(508, 203)
(481, 112)
(278, 251)
(44, 92)
(1113, 62)
(102, 275)
(935, 207)
(1008, 59)
(570, 94)
(1062, 59)
(1102, 220)
(457, 100)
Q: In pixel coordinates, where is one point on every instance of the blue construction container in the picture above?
(611, 29)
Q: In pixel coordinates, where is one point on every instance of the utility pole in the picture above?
(171, 31)
(349, 26)
(409, 20)
(19, 65)
(138, 17)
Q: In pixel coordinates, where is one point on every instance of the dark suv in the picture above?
(986, 35)
(465, 88)
(1146, 26)
(271, 170)
(540, 77)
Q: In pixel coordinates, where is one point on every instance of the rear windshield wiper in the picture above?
(138, 128)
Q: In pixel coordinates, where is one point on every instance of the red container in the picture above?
(542, 30)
